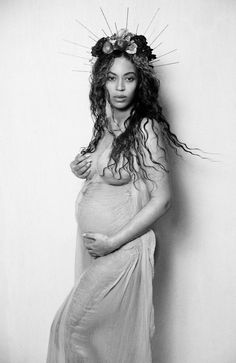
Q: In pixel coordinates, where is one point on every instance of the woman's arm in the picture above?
(160, 194)
(158, 204)
(143, 220)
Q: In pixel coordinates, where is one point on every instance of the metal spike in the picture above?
(104, 32)
(151, 21)
(84, 26)
(153, 32)
(165, 64)
(158, 45)
(116, 28)
(72, 55)
(127, 17)
(160, 56)
(159, 34)
(92, 39)
(171, 51)
(75, 43)
(79, 70)
(106, 21)
(137, 29)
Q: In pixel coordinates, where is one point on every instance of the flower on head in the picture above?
(122, 33)
(121, 44)
(132, 48)
(124, 41)
(107, 47)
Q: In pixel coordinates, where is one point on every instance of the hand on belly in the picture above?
(98, 244)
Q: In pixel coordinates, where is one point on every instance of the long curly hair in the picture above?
(132, 143)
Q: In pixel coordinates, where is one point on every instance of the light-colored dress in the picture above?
(108, 315)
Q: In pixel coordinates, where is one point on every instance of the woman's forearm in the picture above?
(141, 222)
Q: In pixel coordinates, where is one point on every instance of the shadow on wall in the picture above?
(169, 227)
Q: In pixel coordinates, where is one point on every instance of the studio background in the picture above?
(45, 120)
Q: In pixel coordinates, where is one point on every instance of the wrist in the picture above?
(114, 242)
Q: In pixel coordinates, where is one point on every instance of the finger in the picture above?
(88, 244)
(74, 164)
(90, 236)
(83, 163)
(82, 169)
(87, 174)
(84, 175)
(81, 173)
(82, 158)
(93, 253)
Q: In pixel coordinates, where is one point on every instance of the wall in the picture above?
(45, 119)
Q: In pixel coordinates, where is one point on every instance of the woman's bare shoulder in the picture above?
(151, 132)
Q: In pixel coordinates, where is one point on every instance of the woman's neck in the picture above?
(121, 115)
(118, 121)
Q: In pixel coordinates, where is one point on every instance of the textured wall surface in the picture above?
(45, 119)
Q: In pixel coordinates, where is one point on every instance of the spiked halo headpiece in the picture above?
(122, 41)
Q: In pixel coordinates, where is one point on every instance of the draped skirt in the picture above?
(108, 316)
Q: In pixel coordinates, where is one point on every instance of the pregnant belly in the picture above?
(105, 208)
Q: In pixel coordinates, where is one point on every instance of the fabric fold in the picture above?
(108, 315)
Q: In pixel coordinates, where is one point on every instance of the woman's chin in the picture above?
(121, 107)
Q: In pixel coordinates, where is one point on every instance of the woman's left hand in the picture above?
(98, 244)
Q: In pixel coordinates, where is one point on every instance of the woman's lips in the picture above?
(120, 98)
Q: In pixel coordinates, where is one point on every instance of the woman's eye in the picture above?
(110, 78)
(130, 79)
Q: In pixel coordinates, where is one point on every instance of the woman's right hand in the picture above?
(81, 165)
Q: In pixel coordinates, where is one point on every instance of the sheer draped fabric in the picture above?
(108, 316)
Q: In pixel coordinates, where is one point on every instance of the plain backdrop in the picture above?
(45, 120)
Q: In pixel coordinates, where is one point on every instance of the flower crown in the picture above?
(123, 41)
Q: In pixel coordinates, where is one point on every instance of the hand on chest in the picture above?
(104, 167)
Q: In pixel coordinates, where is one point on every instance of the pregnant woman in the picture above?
(108, 315)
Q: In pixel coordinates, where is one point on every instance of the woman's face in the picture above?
(121, 83)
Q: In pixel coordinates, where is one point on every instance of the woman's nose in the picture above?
(120, 85)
